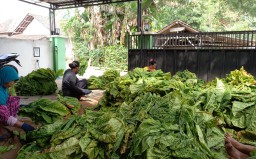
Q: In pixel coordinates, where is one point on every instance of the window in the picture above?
(36, 51)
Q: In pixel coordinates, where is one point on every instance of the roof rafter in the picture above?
(22, 25)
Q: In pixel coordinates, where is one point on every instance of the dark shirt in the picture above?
(69, 84)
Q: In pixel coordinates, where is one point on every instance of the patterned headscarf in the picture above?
(7, 74)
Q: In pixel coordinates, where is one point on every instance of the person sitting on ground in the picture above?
(235, 149)
(9, 105)
(152, 66)
(71, 85)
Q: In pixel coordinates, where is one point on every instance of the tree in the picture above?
(97, 27)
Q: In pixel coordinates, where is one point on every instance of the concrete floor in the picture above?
(24, 100)
(95, 95)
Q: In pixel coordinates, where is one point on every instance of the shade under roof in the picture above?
(64, 4)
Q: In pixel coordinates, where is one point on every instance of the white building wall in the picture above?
(26, 57)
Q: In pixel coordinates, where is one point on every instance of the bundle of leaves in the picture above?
(240, 78)
(102, 82)
(39, 82)
(235, 106)
(70, 102)
(174, 120)
(45, 111)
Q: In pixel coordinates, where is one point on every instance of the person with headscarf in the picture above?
(71, 85)
(152, 66)
(9, 105)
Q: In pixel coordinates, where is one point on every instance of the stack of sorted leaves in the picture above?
(70, 102)
(45, 111)
(153, 115)
(39, 82)
(102, 82)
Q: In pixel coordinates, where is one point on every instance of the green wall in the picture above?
(59, 53)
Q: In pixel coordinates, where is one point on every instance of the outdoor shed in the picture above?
(177, 26)
(178, 47)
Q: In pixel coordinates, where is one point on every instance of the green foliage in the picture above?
(98, 33)
(208, 15)
(59, 73)
(245, 6)
(116, 53)
(97, 56)
(83, 65)
(108, 56)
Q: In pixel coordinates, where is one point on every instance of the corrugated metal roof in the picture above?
(64, 4)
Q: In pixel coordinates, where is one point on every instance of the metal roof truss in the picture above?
(65, 4)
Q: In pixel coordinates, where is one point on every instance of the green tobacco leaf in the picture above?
(251, 119)
(47, 118)
(65, 149)
(239, 110)
(7, 148)
(55, 107)
(46, 130)
(238, 107)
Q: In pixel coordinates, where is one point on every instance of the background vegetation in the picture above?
(98, 32)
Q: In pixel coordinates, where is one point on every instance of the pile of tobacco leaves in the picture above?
(38, 82)
(102, 82)
(153, 115)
